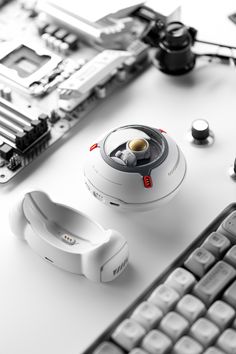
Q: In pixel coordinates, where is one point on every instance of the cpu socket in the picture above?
(25, 64)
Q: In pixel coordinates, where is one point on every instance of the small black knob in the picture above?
(234, 167)
(232, 170)
(200, 129)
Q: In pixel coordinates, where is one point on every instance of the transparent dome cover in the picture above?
(134, 147)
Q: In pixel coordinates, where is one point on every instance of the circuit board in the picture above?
(56, 66)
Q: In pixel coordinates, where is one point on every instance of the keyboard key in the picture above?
(164, 297)
(187, 345)
(174, 325)
(213, 350)
(199, 261)
(227, 341)
(156, 342)
(193, 311)
(147, 314)
(217, 244)
(204, 331)
(180, 280)
(138, 351)
(221, 314)
(107, 348)
(128, 334)
(230, 295)
(231, 256)
(213, 282)
(228, 226)
(191, 307)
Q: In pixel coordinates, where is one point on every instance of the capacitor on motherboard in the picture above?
(50, 42)
(57, 45)
(45, 37)
(64, 48)
(7, 93)
(121, 74)
(100, 91)
(61, 34)
(72, 40)
(1, 90)
(54, 116)
(51, 29)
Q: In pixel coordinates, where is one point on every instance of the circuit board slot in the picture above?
(19, 128)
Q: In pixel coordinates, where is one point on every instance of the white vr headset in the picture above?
(68, 238)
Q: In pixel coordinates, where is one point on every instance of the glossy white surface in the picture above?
(46, 310)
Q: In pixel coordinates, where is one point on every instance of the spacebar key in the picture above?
(214, 282)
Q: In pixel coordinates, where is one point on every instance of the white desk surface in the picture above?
(44, 310)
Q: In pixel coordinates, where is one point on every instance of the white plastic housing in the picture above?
(68, 238)
(126, 190)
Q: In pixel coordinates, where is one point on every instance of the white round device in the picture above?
(134, 167)
(68, 238)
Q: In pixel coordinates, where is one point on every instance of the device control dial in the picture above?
(200, 129)
(200, 133)
(232, 170)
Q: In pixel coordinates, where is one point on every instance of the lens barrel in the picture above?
(174, 53)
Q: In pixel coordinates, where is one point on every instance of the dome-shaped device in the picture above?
(134, 167)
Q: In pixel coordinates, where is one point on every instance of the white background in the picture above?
(46, 310)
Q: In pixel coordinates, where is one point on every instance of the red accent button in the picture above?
(147, 181)
(162, 131)
(94, 146)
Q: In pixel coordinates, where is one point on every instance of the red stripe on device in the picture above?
(147, 181)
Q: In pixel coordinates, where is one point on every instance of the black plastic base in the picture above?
(175, 72)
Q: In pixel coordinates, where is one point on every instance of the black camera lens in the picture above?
(174, 52)
(176, 35)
